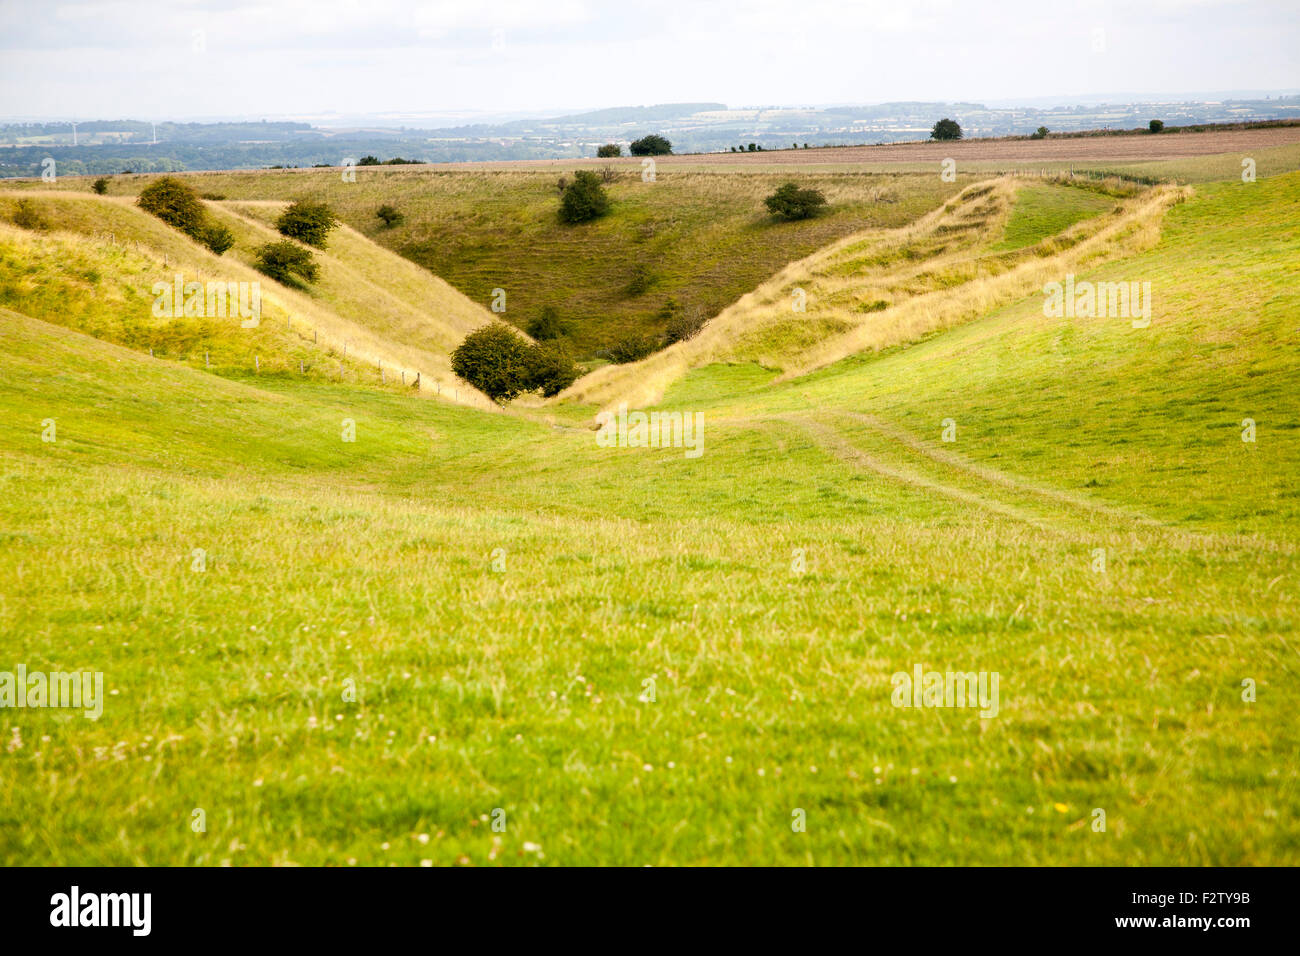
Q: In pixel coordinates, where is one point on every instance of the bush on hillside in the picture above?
(608, 150)
(1155, 126)
(287, 262)
(390, 215)
(100, 185)
(547, 325)
(496, 360)
(652, 145)
(1040, 133)
(631, 348)
(584, 198)
(307, 221)
(550, 369)
(217, 238)
(791, 202)
(946, 129)
(175, 203)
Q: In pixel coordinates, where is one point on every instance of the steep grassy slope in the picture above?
(883, 288)
(95, 266)
(504, 595)
(698, 238)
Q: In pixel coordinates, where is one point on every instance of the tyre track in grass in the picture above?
(900, 456)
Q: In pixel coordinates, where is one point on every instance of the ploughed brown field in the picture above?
(1119, 148)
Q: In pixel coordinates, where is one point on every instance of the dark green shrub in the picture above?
(217, 238)
(652, 145)
(608, 150)
(631, 348)
(550, 369)
(175, 203)
(390, 215)
(1040, 133)
(307, 221)
(547, 325)
(946, 129)
(100, 185)
(1155, 126)
(791, 202)
(369, 161)
(584, 198)
(496, 360)
(287, 262)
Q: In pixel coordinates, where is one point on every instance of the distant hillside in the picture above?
(119, 145)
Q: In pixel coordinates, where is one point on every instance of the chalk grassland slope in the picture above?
(401, 301)
(1149, 418)
(96, 266)
(699, 239)
(503, 596)
(884, 288)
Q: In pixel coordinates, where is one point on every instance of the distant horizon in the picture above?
(452, 117)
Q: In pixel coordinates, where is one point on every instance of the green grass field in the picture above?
(505, 596)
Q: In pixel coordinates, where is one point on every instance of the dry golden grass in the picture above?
(369, 304)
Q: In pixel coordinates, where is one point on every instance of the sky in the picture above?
(191, 59)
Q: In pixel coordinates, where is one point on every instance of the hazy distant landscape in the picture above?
(114, 146)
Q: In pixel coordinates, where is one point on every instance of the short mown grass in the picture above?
(1043, 209)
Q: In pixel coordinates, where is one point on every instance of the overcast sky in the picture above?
(196, 58)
